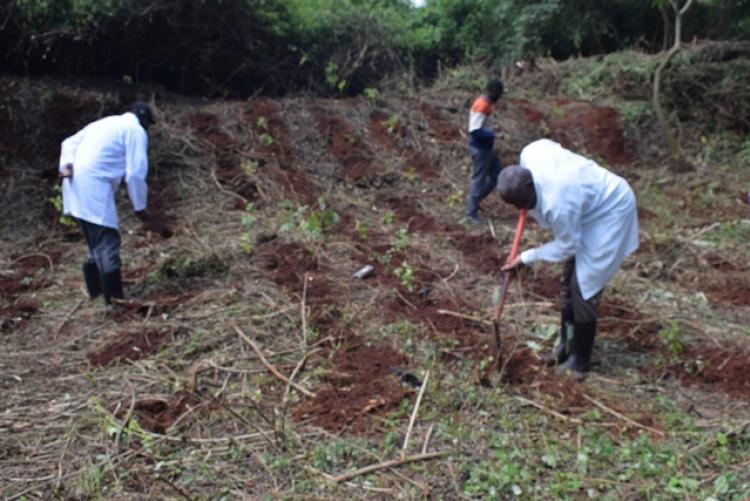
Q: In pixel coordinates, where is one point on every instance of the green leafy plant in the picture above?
(312, 223)
(57, 203)
(370, 93)
(673, 338)
(248, 223)
(402, 240)
(391, 123)
(387, 217)
(405, 274)
(266, 139)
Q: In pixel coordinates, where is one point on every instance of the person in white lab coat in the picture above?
(93, 162)
(592, 214)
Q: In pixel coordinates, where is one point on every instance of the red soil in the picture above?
(16, 313)
(626, 323)
(359, 388)
(531, 113)
(406, 212)
(422, 166)
(601, 130)
(225, 149)
(157, 415)
(354, 156)
(289, 263)
(441, 128)
(129, 346)
(379, 130)
(264, 117)
(715, 369)
(482, 252)
(151, 306)
(733, 288)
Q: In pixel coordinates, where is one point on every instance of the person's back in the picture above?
(574, 182)
(103, 153)
(102, 149)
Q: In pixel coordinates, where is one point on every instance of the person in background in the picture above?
(482, 150)
(93, 163)
(592, 214)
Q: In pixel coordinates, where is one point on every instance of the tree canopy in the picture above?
(328, 46)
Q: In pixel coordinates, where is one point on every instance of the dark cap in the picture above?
(143, 112)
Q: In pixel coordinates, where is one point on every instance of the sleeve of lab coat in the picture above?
(136, 167)
(68, 148)
(567, 229)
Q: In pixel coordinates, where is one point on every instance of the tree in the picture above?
(675, 150)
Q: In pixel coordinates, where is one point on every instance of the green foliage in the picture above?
(673, 338)
(331, 46)
(57, 203)
(311, 223)
(248, 223)
(405, 274)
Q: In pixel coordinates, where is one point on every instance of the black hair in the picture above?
(496, 87)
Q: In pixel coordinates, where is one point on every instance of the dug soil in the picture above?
(128, 346)
(360, 388)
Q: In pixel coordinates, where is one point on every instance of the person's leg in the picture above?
(490, 179)
(477, 186)
(106, 253)
(584, 313)
(562, 349)
(89, 268)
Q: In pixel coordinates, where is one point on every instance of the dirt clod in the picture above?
(360, 387)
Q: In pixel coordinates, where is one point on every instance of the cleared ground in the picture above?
(274, 204)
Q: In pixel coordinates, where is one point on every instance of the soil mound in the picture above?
(715, 369)
(348, 148)
(157, 415)
(360, 388)
(131, 346)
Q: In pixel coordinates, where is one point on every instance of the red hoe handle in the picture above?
(513, 254)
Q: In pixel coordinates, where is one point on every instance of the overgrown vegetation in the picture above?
(330, 46)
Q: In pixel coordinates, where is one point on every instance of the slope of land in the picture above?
(274, 204)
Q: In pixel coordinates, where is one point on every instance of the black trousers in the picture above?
(584, 310)
(103, 246)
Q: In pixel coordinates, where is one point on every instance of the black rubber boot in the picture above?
(579, 360)
(561, 351)
(91, 277)
(112, 286)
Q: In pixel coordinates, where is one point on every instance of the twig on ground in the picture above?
(177, 488)
(624, 418)
(414, 415)
(427, 437)
(464, 317)
(381, 466)
(548, 411)
(270, 367)
(67, 317)
(303, 313)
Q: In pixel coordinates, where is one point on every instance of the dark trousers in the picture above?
(101, 269)
(584, 310)
(103, 246)
(483, 178)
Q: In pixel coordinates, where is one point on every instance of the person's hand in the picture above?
(67, 171)
(513, 264)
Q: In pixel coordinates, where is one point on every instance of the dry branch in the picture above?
(381, 466)
(273, 370)
(414, 415)
(624, 418)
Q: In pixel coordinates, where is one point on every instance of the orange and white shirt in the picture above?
(481, 124)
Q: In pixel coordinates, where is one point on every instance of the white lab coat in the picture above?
(103, 153)
(591, 211)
